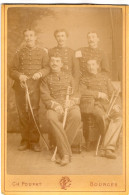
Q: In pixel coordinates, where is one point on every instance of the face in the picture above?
(61, 38)
(56, 64)
(30, 38)
(92, 66)
(93, 39)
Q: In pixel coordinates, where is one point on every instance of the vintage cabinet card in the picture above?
(58, 139)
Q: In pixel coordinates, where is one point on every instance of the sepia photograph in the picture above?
(65, 97)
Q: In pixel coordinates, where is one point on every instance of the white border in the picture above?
(115, 2)
(107, 2)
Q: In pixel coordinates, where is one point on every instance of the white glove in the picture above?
(116, 108)
(37, 76)
(23, 78)
(59, 109)
(103, 96)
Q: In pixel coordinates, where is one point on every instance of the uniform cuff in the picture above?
(41, 75)
(53, 104)
(76, 100)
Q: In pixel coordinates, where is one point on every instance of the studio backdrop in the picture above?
(106, 22)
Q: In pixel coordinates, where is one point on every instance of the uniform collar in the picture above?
(96, 48)
(92, 75)
(59, 47)
(31, 48)
(58, 74)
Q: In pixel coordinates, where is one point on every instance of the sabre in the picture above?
(64, 121)
(30, 106)
(111, 104)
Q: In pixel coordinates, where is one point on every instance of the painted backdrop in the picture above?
(107, 22)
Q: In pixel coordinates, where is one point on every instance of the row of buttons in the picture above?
(29, 68)
(37, 63)
(26, 58)
(58, 95)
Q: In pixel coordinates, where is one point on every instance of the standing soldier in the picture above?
(29, 66)
(92, 51)
(53, 95)
(71, 64)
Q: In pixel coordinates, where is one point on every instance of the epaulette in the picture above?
(78, 54)
(45, 49)
(83, 49)
(20, 50)
(38, 48)
(72, 50)
(104, 77)
(17, 51)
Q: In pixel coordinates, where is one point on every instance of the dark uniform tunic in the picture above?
(86, 53)
(53, 91)
(27, 62)
(70, 63)
(90, 87)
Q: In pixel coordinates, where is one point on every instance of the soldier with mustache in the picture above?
(53, 91)
(92, 51)
(29, 65)
(70, 63)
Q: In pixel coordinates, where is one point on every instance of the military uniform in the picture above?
(90, 86)
(70, 63)
(53, 92)
(28, 61)
(85, 53)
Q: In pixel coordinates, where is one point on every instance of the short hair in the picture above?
(55, 56)
(29, 29)
(96, 59)
(61, 30)
(93, 33)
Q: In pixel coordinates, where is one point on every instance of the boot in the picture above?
(35, 147)
(65, 160)
(110, 154)
(102, 153)
(23, 146)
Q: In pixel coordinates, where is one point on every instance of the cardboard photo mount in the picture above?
(76, 184)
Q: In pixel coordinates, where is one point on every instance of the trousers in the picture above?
(64, 137)
(112, 134)
(29, 132)
(108, 128)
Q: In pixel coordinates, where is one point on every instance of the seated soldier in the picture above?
(99, 89)
(53, 94)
